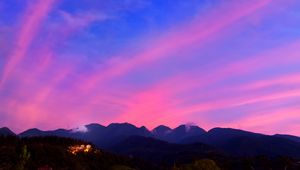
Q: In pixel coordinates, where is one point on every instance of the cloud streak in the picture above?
(31, 23)
(165, 92)
(227, 64)
(198, 32)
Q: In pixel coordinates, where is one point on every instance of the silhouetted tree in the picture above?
(24, 157)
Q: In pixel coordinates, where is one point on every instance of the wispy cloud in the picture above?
(31, 22)
(189, 71)
(163, 97)
(82, 19)
(174, 41)
(80, 129)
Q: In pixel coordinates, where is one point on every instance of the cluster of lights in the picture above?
(80, 148)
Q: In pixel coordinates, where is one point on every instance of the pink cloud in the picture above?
(31, 100)
(177, 39)
(266, 121)
(158, 99)
(199, 113)
(158, 104)
(31, 23)
(184, 37)
(293, 78)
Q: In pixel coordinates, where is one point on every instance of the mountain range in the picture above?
(127, 139)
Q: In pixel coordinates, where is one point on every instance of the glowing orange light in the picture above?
(80, 148)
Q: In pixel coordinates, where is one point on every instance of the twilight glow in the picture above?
(66, 63)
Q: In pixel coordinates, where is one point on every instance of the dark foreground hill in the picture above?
(165, 154)
(243, 143)
(161, 152)
(60, 154)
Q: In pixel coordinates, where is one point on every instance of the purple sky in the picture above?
(66, 63)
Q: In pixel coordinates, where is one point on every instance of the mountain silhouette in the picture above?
(178, 134)
(290, 137)
(225, 140)
(217, 136)
(6, 132)
(243, 143)
(100, 135)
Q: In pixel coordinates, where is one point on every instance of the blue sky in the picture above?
(150, 62)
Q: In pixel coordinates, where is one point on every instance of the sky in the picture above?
(213, 63)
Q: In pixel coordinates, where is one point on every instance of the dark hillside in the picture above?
(56, 152)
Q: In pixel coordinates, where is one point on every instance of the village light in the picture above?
(80, 148)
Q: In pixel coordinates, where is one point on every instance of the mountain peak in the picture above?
(32, 132)
(4, 131)
(186, 128)
(93, 126)
(161, 130)
(144, 128)
(162, 127)
(121, 124)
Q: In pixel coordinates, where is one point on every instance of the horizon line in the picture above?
(150, 130)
